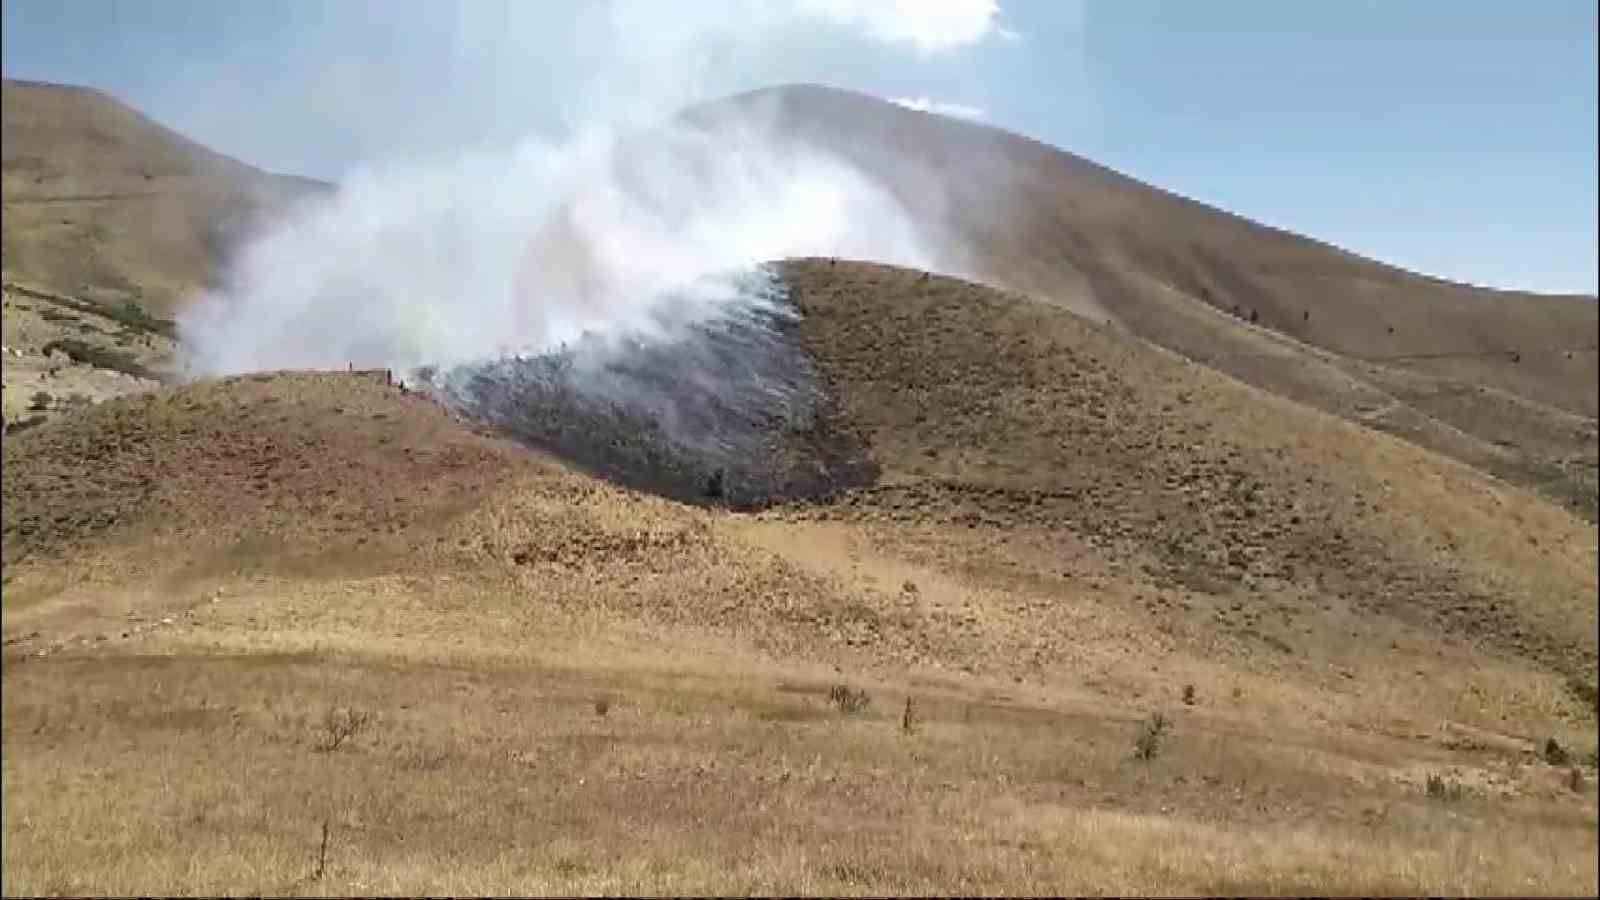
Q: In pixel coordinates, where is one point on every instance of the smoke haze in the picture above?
(472, 255)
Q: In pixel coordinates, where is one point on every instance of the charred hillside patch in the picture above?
(729, 411)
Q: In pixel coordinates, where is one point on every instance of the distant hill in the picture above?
(1506, 381)
(106, 206)
(103, 204)
(1045, 221)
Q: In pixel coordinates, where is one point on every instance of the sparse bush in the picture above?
(99, 357)
(1188, 695)
(320, 868)
(1586, 692)
(601, 707)
(1554, 753)
(1148, 744)
(24, 424)
(340, 725)
(42, 401)
(1438, 787)
(427, 759)
(848, 700)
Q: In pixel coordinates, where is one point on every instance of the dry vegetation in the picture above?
(1109, 622)
(58, 355)
(103, 204)
(1504, 381)
(239, 611)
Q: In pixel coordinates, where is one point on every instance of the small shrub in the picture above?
(848, 700)
(1438, 787)
(601, 707)
(1554, 753)
(1188, 695)
(340, 725)
(1586, 692)
(1148, 744)
(99, 357)
(41, 401)
(320, 868)
(427, 759)
(908, 718)
(24, 424)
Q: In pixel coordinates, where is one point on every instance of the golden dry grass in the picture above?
(180, 768)
(573, 688)
(174, 646)
(1417, 356)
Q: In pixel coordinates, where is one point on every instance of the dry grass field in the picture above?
(1111, 620)
(553, 685)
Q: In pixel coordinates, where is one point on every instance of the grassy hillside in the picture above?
(61, 354)
(305, 633)
(1503, 381)
(105, 205)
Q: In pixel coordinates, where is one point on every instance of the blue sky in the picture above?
(1453, 138)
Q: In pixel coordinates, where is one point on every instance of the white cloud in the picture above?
(931, 26)
(924, 104)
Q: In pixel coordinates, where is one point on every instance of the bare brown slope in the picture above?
(104, 204)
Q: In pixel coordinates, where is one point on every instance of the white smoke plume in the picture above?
(486, 255)
(938, 107)
(503, 251)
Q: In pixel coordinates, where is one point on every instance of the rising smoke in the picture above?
(448, 263)
(476, 254)
(603, 295)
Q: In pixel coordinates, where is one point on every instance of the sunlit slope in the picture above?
(103, 204)
(981, 409)
(988, 408)
(1502, 380)
(1362, 650)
